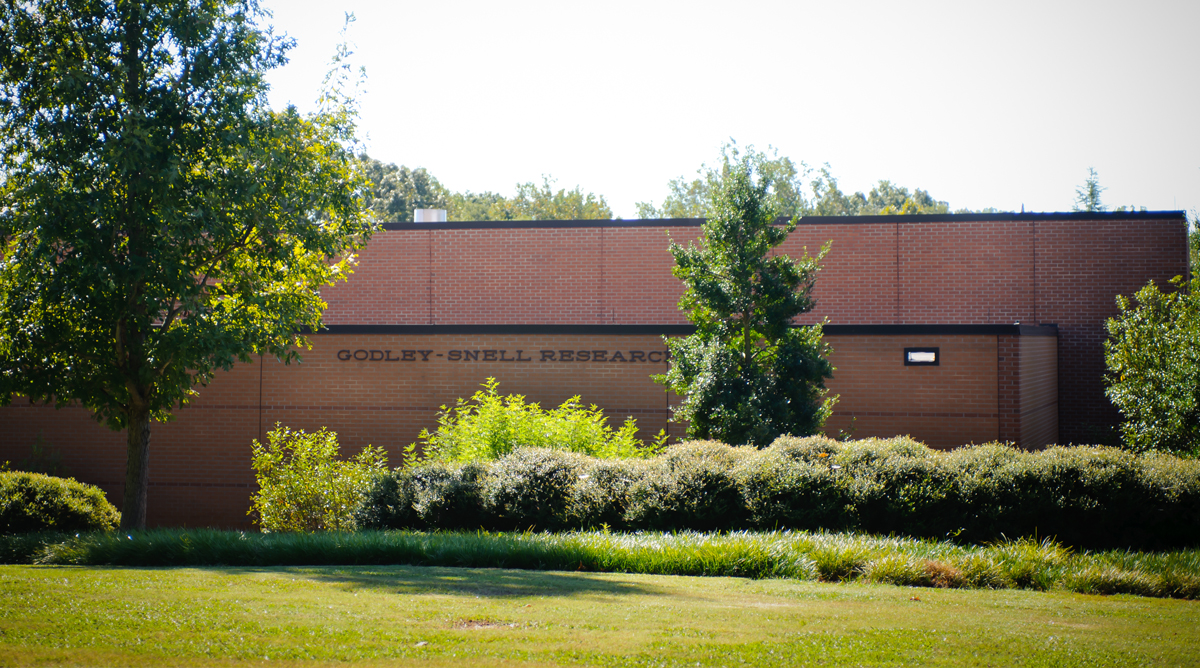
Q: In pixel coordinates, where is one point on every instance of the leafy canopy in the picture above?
(1153, 357)
(690, 199)
(159, 220)
(396, 191)
(747, 375)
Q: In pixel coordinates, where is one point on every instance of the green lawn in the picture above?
(375, 615)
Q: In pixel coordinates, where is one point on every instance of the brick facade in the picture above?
(1063, 269)
(419, 283)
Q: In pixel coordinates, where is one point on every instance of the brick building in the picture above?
(1013, 305)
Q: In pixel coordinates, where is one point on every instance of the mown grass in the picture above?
(436, 616)
(829, 557)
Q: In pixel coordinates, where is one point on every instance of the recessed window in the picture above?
(921, 357)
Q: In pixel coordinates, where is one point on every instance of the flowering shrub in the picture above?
(304, 487)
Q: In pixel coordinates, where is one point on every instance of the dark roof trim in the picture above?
(807, 220)
(941, 330)
(683, 330)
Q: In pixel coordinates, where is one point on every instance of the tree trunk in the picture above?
(137, 471)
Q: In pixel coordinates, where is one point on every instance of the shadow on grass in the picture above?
(435, 580)
(481, 582)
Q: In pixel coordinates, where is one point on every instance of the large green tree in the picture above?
(690, 199)
(397, 191)
(1153, 356)
(748, 374)
(159, 220)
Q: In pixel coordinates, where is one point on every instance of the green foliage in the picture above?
(448, 495)
(1153, 357)
(884, 199)
(1041, 564)
(31, 502)
(1083, 496)
(1194, 244)
(691, 486)
(530, 488)
(395, 192)
(304, 487)
(747, 375)
(690, 199)
(1087, 196)
(531, 202)
(488, 426)
(159, 220)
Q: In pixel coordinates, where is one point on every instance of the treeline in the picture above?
(797, 190)
(396, 191)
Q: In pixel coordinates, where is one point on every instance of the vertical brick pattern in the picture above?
(947, 405)
(1039, 391)
(1081, 266)
(1061, 271)
(857, 281)
(1008, 387)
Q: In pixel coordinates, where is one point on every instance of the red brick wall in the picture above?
(1039, 391)
(1008, 388)
(1060, 269)
(200, 462)
(947, 405)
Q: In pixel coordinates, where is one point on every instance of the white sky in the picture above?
(981, 104)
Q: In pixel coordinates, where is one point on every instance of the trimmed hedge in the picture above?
(1093, 497)
(31, 502)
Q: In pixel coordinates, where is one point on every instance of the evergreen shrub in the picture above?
(449, 496)
(532, 488)
(32, 502)
(1093, 497)
(690, 486)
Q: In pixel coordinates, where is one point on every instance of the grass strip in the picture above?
(829, 557)
(432, 616)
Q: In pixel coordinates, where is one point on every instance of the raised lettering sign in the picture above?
(493, 355)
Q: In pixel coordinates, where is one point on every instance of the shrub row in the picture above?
(1083, 496)
(35, 502)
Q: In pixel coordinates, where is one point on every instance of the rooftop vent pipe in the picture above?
(429, 215)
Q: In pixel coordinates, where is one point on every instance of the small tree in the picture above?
(747, 375)
(1153, 356)
(1087, 196)
(1194, 244)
